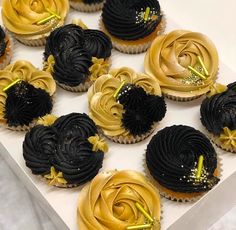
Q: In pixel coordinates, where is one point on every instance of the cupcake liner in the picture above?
(22, 128)
(181, 99)
(139, 46)
(82, 87)
(80, 6)
(32, 42)
(181, 197)
(8, 53)
(130, 139)
(215, 139)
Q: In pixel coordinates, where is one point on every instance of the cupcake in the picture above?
(183, 163)
(66, 152)
(185, 64)
(76, 57)
(6, 44)
(25, 95)
(119, 200)
(87, 5)
(32, 21)
(132, 25)
(125, 105)
(218, 115)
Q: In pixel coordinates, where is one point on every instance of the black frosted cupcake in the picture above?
(132, 24)
(87, 5)
(183, 162)
(76, 56)
(25, 95)
(5, 48)
(67, 153)
(218, 115)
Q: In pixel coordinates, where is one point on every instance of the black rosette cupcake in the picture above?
(77, 56)
(6, 45)
(182, 162)
(67, 152)
(218, 115)
(25, 95)
(132, 24)
(126, 105)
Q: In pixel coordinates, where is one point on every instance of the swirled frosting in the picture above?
(219, 111)
(97, 43)
(72, 66)
(38, 148)
(172, 157)
(24, 103)
(126, 19)
(63, 38)
(169, 57)
(65, 148)
(108, 202)
(3, 42)
(21, 16)
(104, 109)
(26, 72)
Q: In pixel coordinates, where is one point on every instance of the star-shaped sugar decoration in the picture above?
(55, 177)
(98, 143)
(228, 138)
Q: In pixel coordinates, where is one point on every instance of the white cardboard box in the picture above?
(206, 17)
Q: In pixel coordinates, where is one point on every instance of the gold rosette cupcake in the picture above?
(32, 21)
(185, 64)
(87, 5)
(25, 95)
(218, 115)
(126, 105)
(119, 200)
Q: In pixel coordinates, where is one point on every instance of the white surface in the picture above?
(193, 15)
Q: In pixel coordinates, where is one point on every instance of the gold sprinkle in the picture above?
(143, 226)
(147, 12)
(141, 209)
(119, 89)
(196, 72)
(45, 20)
(53, 13)
(203, 66)
(10, 85)
(199, 166)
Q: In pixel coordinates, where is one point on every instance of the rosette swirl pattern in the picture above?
(26, 72)
(97, 43)
(125, 19)
(108, 202)
(172, 156)
(219, 111)
(104, 109)
(64, 38)
(21, 16)
(170, 56)
(72, 66)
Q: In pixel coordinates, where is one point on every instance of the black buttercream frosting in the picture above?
(39, 147)
(3, 43)
(72, 66)
(219, 111)
(63, 38)
(124, 18)
(174, 151)
(65, 146)
(24, 103)
(97, 43)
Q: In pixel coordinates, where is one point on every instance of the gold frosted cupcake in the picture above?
(132, 25)
(218, 115)
(126, 105)
(25, 95)
(32, 21)
(185, 64)
(119, 200)
(87, 5)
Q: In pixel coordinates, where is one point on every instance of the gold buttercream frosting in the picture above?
(22, 17)
(171, 57)
(110, 201)
(105, 111)
(23, 70)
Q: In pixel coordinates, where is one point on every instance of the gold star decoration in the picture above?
(228, 138)
(98, 143)
(47, 120)
(216, 88)
(49, 64)
(55, 177)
